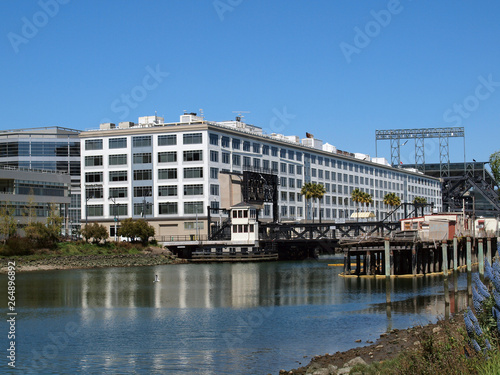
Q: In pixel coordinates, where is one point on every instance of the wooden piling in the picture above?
(488, 250)
(368, 263)
(455, 254)
(480, 256)
(414, 259)
(468, 256)
(444, 247)
(387, 253)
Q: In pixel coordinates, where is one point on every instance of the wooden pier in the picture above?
(411, 256)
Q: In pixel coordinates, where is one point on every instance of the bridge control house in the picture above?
(175, 175)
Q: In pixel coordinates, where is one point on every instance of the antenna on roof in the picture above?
(201, 114)
(239, 115)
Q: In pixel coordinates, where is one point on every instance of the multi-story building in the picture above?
(53, 149)
(28, 192)
(169, 173)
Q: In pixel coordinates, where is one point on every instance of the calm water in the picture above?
(207, 318)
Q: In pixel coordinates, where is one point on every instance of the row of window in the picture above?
(97, 192)
(144, 141)
(147, 174)
(164, 208)
(144, 158)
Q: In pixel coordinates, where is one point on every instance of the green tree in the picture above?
(495, 166)
(392, 200)
(307, 192)
(366, 199)
(132, 229)
(357, 196)
(95, 231)
(54, 223)
(312, 190)
(318, 193)
(8, 225)
(419, 201)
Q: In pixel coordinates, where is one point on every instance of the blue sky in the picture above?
(337, 69)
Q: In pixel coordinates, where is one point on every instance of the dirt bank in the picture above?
(91, 261)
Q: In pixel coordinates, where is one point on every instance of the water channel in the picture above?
(254, 318)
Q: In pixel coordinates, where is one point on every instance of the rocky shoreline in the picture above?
(388, 346)
(91, 261)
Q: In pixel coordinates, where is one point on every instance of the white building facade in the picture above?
(168, 173)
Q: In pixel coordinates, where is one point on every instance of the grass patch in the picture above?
(445, 357)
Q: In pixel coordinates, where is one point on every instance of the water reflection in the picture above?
(220, 318)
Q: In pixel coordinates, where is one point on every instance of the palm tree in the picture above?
(418, 201)
(366, 199)
(318, 193)
(357, 196)
(307, 192)
(392, 199)
(312, 190)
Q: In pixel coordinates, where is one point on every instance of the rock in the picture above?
(321, 371)
(355, 361)
(436, 329)
(379, 346)
(358, 340)
(416, 343)
(333, 369)
(383, 334)
(369, 341)
(344, 370)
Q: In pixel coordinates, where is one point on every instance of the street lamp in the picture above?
(86, 208)
(116, 213)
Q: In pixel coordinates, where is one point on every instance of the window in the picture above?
(115, 176)
(236, 144)
(320, 173)
(265, 150)
(167, 157)
(291, 197)
(256, 148)
(225, 157)
(283, 167)
(284, 196)
(94, 192)
(320, 160)
(299, 169)
(225, 142)
(192, 138)
(193, 189)
(291, 154)
(214, 205)
(299, 184)
(142, 209)
(298, 156)
(214, 156)
(117, 142)
(93, 161)
(193, 155)
(120, 192)
(214, 139)
(313, 172)
(274, 151)
(291, 182)
(91, 177)
(167, 191)
(236, 160)
(256, 163)
(193, 172)
(214, 173)
(214, 189)
(120, 209)
(167, 140)
(93, 144)
(246, 146)
(95, 210)
(193, 207)
(143, 174)
(274, 166)
(313, 159)
(118, 159)
(167, 208)
(142, 158)
(291, 169)
(265, 164)
(192, 225)
(142, 191)
(167, 174)
(141, 141)
(283, 181)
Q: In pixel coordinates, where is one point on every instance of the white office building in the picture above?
(168, 173)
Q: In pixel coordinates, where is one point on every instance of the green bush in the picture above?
(18, 246)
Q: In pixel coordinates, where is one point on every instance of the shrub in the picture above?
(18, 246)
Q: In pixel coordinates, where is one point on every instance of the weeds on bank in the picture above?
(433, 356)
(23, 248)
